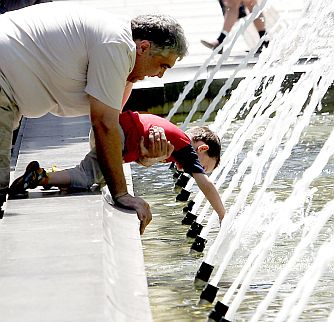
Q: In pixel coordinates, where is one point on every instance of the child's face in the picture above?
(207, 163)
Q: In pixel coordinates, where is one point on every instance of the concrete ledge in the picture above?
(124, 270)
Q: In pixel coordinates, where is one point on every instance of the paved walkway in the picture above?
(51, 243)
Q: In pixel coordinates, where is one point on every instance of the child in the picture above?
(196, 153)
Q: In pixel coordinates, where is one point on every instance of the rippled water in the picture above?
(171, 268)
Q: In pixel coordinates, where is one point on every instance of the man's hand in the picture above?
(139, 205)
(159, 148)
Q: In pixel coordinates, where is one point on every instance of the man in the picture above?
(71, 60)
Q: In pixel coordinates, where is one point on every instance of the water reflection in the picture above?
(171, 268)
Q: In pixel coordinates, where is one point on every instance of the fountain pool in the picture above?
(171, 268)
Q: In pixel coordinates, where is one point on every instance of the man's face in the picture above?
(148, 64)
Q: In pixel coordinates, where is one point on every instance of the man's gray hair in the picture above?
(163, 31)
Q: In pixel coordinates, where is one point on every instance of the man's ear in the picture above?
(203, 147)
(142, 46)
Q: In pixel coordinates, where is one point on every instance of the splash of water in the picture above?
(305, 286)
(283, 130)
(322, 218)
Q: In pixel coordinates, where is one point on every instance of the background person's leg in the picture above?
(242, 12)
(230, 10)
(231, 13)
(259, 22)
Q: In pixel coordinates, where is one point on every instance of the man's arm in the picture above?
(108, 145)
(210, 192)
(105, 122)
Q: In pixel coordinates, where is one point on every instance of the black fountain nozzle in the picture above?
(172, 167)
(189, 218)
(224, 320)
(208, 294)
(218, 312)
(199, 244)
(183, 195)
(194, 230)
(182, 180)
(176, 174)
(189, 206)
(204, 272)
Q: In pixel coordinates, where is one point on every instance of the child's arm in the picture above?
(210, 192)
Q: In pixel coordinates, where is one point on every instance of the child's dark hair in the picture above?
(203, 133)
